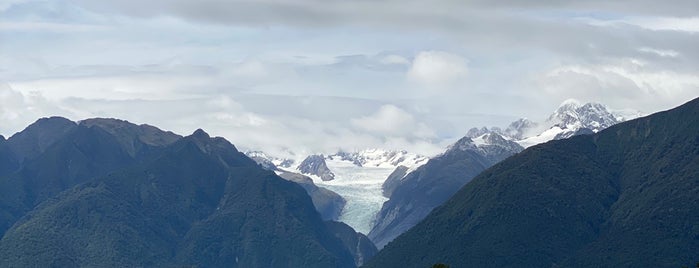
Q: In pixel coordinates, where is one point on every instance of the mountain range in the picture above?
(569, 119)
(584, 188)
(625, 196)
(108, 193)
(419, 189)
(414, 195)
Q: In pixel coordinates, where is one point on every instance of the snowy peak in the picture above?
(463, 144)
(379, 158)
(269, 162)
(574, 116)
(315, 165)
(571, 118)
(486, 144)
(518, 129)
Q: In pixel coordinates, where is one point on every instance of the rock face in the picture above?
(593, 200)
(359, 245)
(315, 165)
(394, 180)
(328, 203)
(107, 193)
(430, 185)
(270, 162)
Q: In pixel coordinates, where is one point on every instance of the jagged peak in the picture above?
(200, 134)
(463, 144)
(570, 103)
(379, 157)
(493, 138)
(210, 144)
(520, 122)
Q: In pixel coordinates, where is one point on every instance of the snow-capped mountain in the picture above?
(356, 176)
(414, 194)
(515, 131)
(380, 158)
(569, 119)
(270, 162)
(572, 115)
(520, 128)
(314, 165)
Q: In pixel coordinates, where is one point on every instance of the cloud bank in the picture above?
(318, 76)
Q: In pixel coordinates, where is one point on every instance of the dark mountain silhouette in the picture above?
(57, 154)
(413, 196)
(328, 203)
(627, 196)
(107, 193)
(361, 247)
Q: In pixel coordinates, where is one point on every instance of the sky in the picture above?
(312, 76)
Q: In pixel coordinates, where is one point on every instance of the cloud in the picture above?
(374, 13)
(321, 75)
(5, 4)
(394, 59)
(19, 110)
(437, 68)
(660, 52)
(391, 121)
(621, 84)
(690, 24)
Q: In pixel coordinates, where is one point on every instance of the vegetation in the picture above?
(99, 197)
(625, 197)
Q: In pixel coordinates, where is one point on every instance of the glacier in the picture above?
(359, 177)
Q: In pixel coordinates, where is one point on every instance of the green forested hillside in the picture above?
(98, 197)
(625, 197)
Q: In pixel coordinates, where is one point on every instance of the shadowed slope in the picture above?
(625, 197)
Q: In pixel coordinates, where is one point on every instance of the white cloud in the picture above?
(437, 68)
(394, 59)
(660, 52)
(391, 121)
(182, 65)
(621, 84)
(17, 110)
(690, 24)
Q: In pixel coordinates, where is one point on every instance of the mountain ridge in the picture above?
(415, 194)
(588, 201)
(161, 206)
